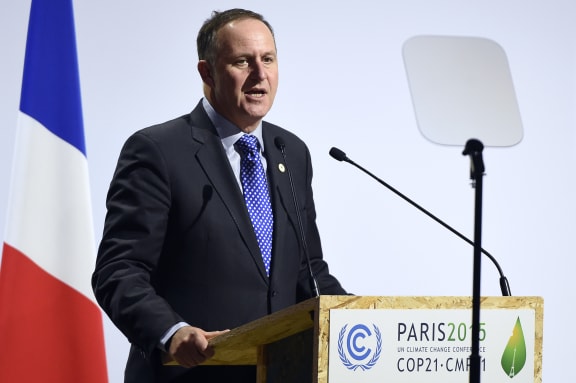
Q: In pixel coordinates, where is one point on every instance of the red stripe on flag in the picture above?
(49, 331)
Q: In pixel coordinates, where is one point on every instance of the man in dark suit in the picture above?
(180, 260)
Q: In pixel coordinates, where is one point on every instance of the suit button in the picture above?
(274, 293)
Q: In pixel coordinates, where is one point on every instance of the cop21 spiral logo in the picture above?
(352, 344)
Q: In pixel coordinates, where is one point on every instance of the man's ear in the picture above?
(205, 73)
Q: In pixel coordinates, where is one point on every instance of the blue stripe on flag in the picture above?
(50, 84)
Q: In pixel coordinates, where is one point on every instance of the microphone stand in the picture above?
(474, 149)
(279, 142)
(339, 155)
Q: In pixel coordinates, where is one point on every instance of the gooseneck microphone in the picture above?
(341, 156)
(279, 142)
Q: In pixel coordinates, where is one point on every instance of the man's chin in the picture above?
(256, 114)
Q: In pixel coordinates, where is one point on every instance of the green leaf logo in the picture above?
(514, 356)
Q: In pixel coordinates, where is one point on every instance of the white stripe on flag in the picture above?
(49, 214)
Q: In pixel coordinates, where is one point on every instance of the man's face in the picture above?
(244, 78)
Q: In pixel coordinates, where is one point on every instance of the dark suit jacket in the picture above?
(178, 243)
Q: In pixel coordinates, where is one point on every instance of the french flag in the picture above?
(50, 325)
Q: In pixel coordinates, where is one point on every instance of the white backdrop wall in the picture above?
(342, 83)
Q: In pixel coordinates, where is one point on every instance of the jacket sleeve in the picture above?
(138, 205)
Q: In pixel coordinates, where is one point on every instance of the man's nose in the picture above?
(259, 70)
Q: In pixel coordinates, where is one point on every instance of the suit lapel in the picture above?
(212, 158)
(280, 192)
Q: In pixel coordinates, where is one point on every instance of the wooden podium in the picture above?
(292, 345)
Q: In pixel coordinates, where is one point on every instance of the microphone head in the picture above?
(279, 142)
(338, 154)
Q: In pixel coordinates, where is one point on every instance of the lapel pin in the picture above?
(281, 167)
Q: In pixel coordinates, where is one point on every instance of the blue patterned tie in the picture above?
(255, 188)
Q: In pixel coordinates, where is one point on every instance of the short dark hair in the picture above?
(207, 43)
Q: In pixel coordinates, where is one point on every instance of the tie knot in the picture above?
(248, 144)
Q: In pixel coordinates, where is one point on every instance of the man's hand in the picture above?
(189, 345)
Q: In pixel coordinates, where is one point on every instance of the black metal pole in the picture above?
(474, 150)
